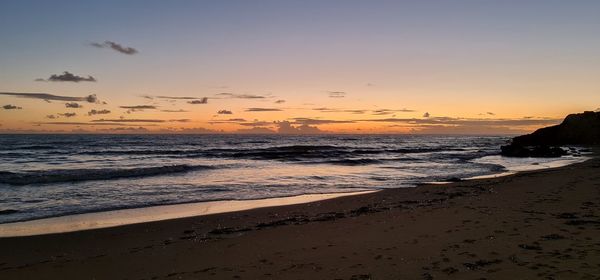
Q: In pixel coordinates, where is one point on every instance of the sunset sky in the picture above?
(466, 67)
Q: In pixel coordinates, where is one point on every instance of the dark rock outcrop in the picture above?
(532, 151)
(576, 129)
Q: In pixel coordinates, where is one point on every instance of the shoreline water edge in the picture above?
(122, 217)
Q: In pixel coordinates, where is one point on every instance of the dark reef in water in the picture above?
(576, 129)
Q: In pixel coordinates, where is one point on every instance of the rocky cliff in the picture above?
(576, 129)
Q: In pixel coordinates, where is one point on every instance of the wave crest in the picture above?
(76, 175)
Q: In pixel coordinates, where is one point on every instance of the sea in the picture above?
(45, 176)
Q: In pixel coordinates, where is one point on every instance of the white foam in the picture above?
(149, 214)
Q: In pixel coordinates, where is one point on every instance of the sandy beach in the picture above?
(531, 225)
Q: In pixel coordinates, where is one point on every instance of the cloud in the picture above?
(224, 112)
(240, 96)
(336, 94)
(129, 120)
(263, 110)
(173, 97)
(243, 122)
(46, 96)
(391, 111)
(138, 120)
(203, 100)
(51, 117)
(135, 108)
(255, 123)
(286, 127)
(90, 123)
(309, 121)
(67, 115)
(98, 112)
(280, 101)
(116, 47)
(125, 130)
(426, 115)
(198, 130)
(468, 121)
(466, 130)
(67, 77)
(256, 130)
(490, 113)
(11, 107)
(174, 111)
(336, 110)
(73, 105)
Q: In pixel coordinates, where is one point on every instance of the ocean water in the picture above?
(56, 175)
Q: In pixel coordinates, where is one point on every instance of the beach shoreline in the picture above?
(128, 216)
(532, 223)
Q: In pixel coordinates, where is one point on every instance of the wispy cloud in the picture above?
(66, 76)
(129, 121)
(134, 108)
(98, 112)
(263, 110)
(337, 110)
(115, 46)
(337, 94)
(311, 121)
(242, 122)
(92, 123)
(203, 100)
(77, 123)
(224, 112)
(125, 129)
(46, 96)
(139, 120)
(391, 111)
(67, 115)
(180, 120)
(280, 101)
(467, 121)
(240, 96)
(173, 97)
(73, 105)
(11, 107)
(174, 111)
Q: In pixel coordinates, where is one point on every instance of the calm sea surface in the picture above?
(55, 175)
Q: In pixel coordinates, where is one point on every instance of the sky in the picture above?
(283, 66)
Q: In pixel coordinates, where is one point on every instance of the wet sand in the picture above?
(531, 225)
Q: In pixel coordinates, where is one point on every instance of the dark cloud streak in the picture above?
(115, 46)
(66, 76)
(46, 96)
(11, 107)
(263, 110)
